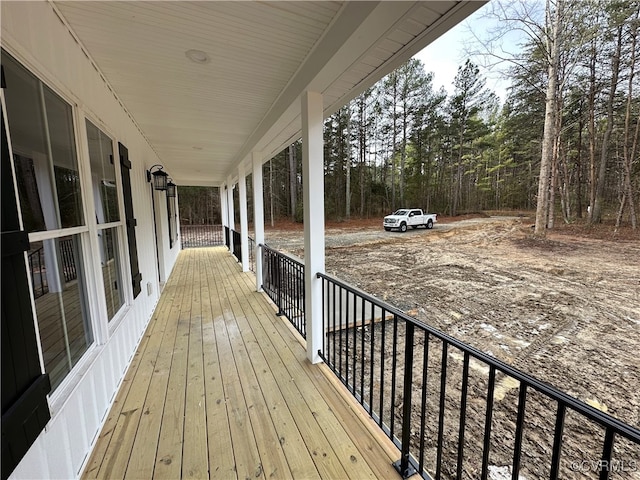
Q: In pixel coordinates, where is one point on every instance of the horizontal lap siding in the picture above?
(33, 33)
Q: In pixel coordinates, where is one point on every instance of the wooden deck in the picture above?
(220, 388)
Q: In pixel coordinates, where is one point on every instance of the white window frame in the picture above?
(105, 326)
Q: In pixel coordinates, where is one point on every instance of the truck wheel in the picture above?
(403, 227)
(430, 224)
(388, 229)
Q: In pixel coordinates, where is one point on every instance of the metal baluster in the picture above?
(403, 466)
(607, 449)
(346, 341)
(487, 423)
(382, 350)
(557, 442)
(463, 413)
(517, 449)
(423, 407)
(362, 331)
(394, 374)
(372, 357)
(443, 388)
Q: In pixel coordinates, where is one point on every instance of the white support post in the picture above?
(230, 208)
(223, 205)
(244, 227)
(231, 218)
(258, 214)
(313, 188)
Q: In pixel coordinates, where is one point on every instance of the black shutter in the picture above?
(125, 164)
(25, 411)
(169, 212)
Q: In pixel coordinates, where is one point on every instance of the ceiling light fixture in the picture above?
(198, 56)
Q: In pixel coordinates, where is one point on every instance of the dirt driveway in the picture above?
(565, 310)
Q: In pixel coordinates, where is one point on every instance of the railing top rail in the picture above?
(200, 225)
(588, 411)
(290, 257)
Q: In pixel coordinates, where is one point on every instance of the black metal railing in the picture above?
(457, 412)
(68, 259)
(38, 268)
(283, 282)
(227, 237)
(252, 254)
(194, 236)
(237, 245)
(38, 273)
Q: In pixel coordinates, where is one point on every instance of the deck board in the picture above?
(220, 388)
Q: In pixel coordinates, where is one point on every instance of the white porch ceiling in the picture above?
(205, 119)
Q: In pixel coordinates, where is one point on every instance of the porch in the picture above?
(221, 387)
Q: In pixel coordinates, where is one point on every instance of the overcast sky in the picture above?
(447, 53)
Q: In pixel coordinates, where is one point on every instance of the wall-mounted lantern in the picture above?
(159, 177)
(171, 189)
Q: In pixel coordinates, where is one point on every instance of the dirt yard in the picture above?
(565, 310)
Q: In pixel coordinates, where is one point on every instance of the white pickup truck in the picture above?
(409, 217)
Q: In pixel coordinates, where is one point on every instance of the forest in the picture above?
(564, 142)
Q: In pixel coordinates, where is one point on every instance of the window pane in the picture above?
(29, 193)
(61, 307)
(65, 160)
(111, 272)
(103, 175)
(42, 139)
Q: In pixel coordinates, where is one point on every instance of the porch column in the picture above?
(223, 206)
(313, 188)
(230, 207)
(244, 227)
(231, 218)
(258, 214)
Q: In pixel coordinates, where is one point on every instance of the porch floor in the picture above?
(220, 388)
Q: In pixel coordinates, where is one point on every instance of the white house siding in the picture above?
(34, 34)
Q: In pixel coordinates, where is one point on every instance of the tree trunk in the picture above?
(596, 214)
(393, 148)
(629, 147)
(566, 188)
(579, 168)
(347, 193)
(549, 135)
(592, 129)
(403, 155)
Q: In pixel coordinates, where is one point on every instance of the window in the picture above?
(105, 194)
(44, 148)
(61, 308)
(46, 167)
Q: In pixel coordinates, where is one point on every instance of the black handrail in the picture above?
(283, 282)
(194, 236)
(227, 240)
(350, 315)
